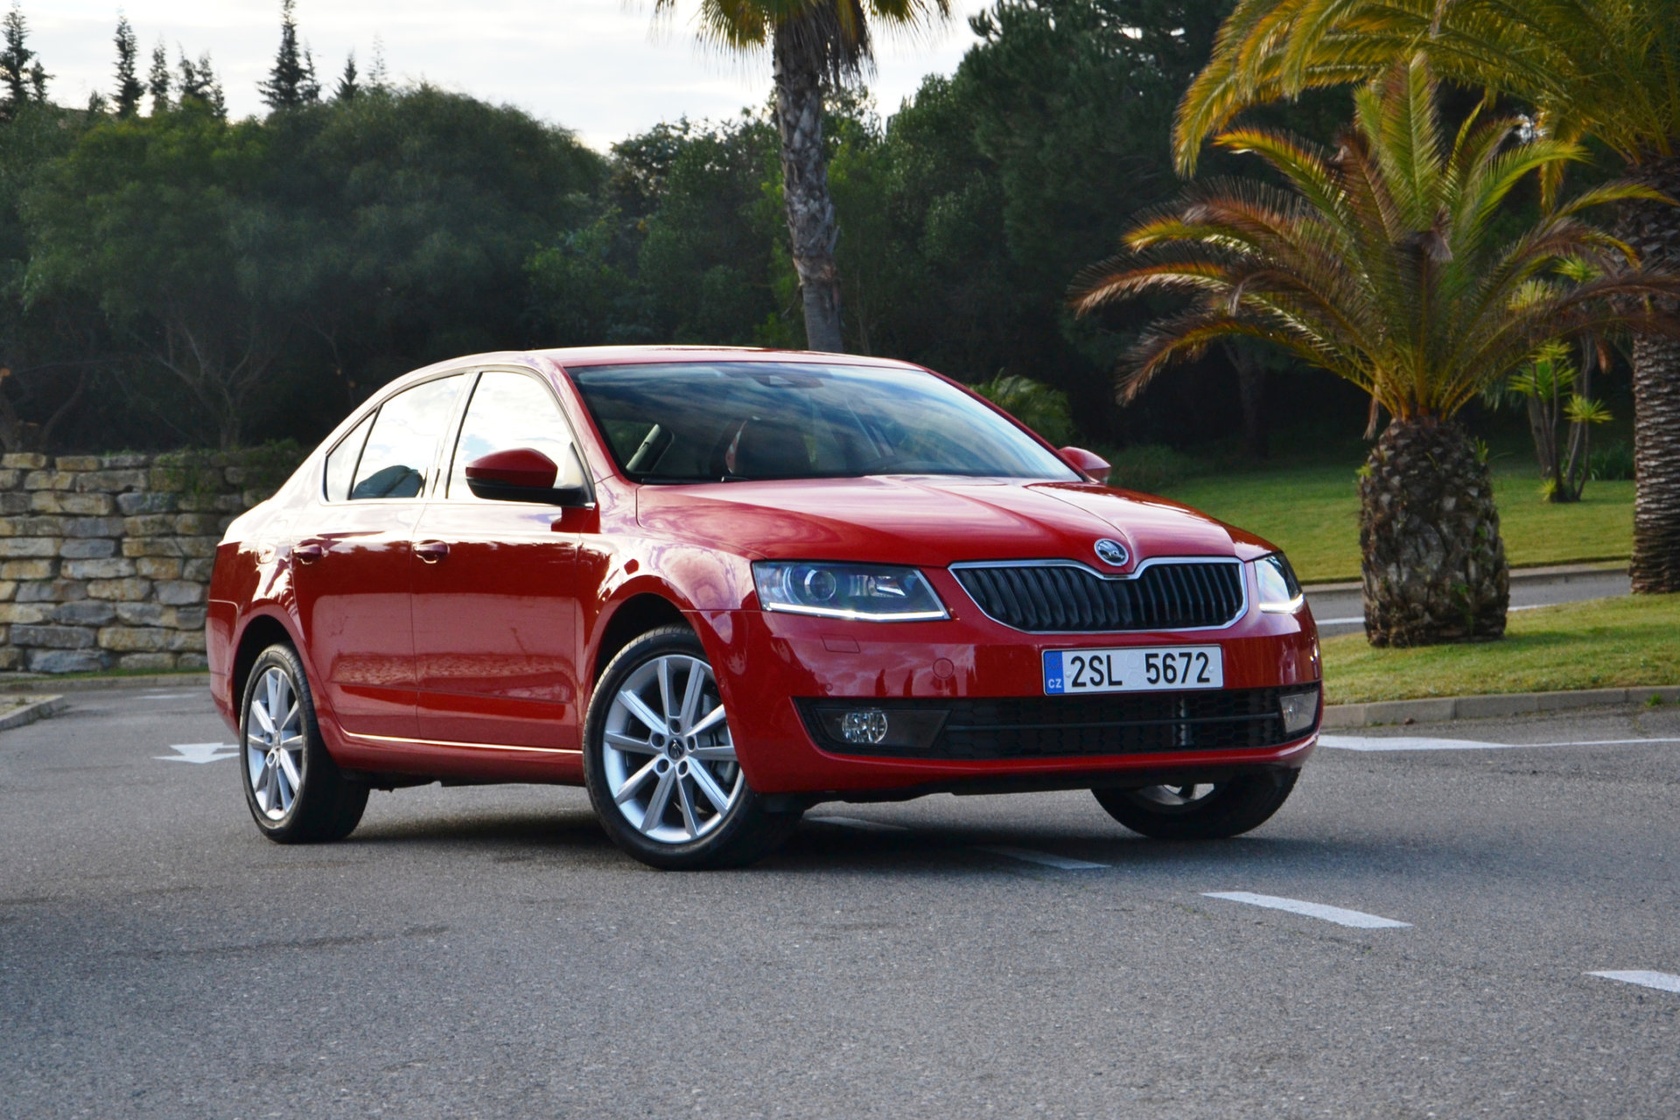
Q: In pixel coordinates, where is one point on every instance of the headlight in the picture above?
(1280, 591)
(873, 592)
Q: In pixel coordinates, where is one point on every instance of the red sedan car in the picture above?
(719, 586)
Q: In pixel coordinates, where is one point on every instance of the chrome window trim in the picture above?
(452, 441)
(1242, 582)
(366, 411)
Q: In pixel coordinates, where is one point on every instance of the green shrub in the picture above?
(1611, 463)
(1151, 467)
(1033, 403)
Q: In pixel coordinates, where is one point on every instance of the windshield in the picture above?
(720, 421)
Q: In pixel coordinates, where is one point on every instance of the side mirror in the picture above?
(520, 474)
(1087, 463)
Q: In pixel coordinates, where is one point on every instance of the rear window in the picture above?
(722, 421)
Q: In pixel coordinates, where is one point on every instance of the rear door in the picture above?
(351, 571)
(495, 586)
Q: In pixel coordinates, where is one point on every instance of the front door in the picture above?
(494, 587)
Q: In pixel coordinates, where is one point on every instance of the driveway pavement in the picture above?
(1474, 919)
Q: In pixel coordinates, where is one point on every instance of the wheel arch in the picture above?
(638, 614)
(260, 632)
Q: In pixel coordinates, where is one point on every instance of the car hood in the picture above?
(933, 520)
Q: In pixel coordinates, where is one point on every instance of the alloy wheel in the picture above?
(274, 744)
(1169, 798)
(667, 754)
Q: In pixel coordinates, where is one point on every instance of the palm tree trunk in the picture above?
(810, 210)
(1654, 231)
(1432, 561)
(1251, 393)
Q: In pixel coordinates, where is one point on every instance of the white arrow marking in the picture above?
(1662, 981)
(199, 753)
(1358, 919)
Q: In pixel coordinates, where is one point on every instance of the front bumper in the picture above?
(1001, 731)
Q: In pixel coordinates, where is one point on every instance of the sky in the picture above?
(598, 67)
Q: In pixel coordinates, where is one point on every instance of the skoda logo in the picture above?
(1112, 553)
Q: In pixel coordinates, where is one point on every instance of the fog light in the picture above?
(866, 726)
(1300, 710)
(889, 726)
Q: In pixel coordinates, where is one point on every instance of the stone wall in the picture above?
(105, 559)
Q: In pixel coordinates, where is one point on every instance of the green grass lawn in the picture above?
(1604, 643)
(1312, 513)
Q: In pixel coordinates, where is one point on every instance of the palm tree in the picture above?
(1379, 263)
(812, 42)
(1604, 68)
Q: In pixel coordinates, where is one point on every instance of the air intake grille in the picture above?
(1063, 598)
(1059, 726)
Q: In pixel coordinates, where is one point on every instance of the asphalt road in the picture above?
(1337, 608)
(485, 952)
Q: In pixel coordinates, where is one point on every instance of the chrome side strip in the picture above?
(466, 746)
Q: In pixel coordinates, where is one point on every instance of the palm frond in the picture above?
(1378, 262)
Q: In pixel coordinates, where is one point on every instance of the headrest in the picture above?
(768, 448)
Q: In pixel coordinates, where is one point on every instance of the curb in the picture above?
(37, 709)
(88, 684)
(1487, 707)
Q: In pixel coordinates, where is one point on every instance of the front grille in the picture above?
(1066, 597)
(1061, 726)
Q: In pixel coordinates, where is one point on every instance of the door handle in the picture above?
(308, 552)
(431, 552)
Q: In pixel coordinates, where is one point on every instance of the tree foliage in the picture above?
(21, 74)
(370, 232)
(291, 80)
(1381, 262)
(129, 90)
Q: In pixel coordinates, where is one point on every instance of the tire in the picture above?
(660, 764)
(1210, 811)
(295, 791)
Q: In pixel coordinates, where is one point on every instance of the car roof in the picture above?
(577, 357)
(625, 355)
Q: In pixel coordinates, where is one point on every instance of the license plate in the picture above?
(1140, 669)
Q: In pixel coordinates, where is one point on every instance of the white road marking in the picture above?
(1401, 743)
(199, 753)
(1027, 855)
(859, 823)
(1410, 743)
(1662, 981)
(171, 695)
(1357, 919)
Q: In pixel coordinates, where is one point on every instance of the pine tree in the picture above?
(347, 86)
(19, 80)
(376, 81)
(129, 89)
(291, 82)
(158, 82)
(309, 90)
(199, 84)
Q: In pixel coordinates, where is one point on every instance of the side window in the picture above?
(341, 461)
(404, 440)
(512, 410)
